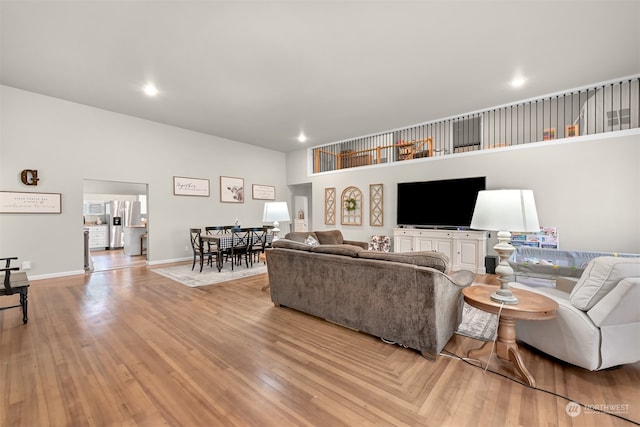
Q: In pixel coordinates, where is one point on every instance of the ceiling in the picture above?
(262, 72)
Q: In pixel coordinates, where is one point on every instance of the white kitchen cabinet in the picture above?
(466, 249)
(98, 236)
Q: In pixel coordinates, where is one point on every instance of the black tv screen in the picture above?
(444, 203)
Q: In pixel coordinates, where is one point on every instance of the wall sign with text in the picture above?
(190, 186)
(264, 192)
(22, 202)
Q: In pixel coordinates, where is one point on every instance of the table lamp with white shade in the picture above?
(505, 211)
(275, 212)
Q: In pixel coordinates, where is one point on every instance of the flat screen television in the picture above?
(446, 203)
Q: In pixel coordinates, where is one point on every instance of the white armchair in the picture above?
(598, 323)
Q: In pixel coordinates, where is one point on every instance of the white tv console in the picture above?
(465, 248)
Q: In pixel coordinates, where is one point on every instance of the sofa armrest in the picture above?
(619, 306)
(462, 278)
(363, 245)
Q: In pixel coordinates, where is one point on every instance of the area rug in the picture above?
(209, 276)
(477, 324)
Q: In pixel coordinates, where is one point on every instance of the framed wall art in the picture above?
(376, 205)
(23, 202)
(263, 192)
(231, 189)
(330, 206)
(183, 186)
(351, 206)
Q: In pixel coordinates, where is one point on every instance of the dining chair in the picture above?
(217, 230)
(15, 283)
(258, 242)
(240, 246)
(200, 249)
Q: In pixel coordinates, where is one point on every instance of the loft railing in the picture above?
(607, 107)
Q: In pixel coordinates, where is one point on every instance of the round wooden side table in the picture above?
(531, 306)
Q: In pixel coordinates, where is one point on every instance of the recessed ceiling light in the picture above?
(150, 90)
(518, 81)
(302, 137)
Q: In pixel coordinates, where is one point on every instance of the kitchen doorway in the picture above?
(115, 218)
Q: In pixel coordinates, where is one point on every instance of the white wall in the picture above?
(68, 143)
(588, 187)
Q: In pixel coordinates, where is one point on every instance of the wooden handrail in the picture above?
(419, 144)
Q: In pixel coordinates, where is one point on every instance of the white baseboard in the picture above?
(168, 261)
(54, 275)
(78, 272)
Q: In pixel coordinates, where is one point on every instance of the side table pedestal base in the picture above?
(506, 349)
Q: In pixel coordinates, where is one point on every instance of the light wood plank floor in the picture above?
(115, 258)
(128, 347)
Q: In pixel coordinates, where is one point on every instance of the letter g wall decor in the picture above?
(29, 177)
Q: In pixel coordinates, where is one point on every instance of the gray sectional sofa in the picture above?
(402, 297)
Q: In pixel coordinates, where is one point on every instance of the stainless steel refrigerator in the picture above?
(119, 215)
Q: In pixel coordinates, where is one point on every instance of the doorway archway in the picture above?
(117, 240)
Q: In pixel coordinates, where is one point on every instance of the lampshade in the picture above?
(508, 210)
(505, 211)
(275, 211)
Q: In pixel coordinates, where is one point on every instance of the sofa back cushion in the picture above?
(300, 236)
(348, 250)
(601, 275)
(432, 259)
(332, 237)
(290, 244)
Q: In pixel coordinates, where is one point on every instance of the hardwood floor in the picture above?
(130, 347)
(114, 259)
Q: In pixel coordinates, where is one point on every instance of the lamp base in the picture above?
(504, 296)
(504, 271)
(275, 230)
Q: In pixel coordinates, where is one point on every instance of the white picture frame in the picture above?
(263, 192)
(183, 186)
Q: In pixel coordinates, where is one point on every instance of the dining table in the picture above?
(223, 242)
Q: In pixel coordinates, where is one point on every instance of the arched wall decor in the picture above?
(351, 206)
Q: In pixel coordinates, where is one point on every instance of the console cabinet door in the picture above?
(444, 246)
(423, 243)
(402, 243)
(466, 255)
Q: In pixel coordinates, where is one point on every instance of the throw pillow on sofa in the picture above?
(300, 236)
(311, 241)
